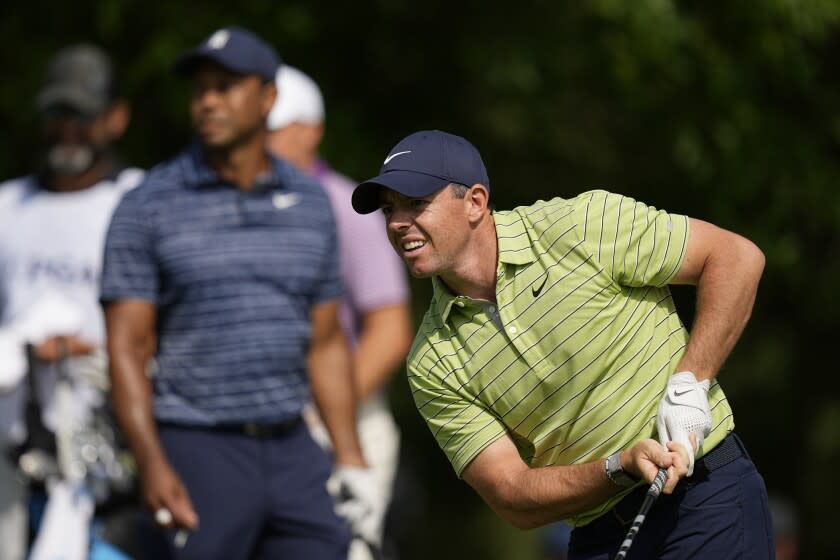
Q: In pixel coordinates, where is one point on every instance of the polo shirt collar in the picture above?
(514, 248)
(442, 300)
(514, 243)
(197, 173)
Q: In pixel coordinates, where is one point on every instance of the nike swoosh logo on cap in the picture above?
(392, 156)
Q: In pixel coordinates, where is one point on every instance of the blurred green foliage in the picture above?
(729, 112)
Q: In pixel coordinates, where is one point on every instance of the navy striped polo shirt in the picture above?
(233, 275)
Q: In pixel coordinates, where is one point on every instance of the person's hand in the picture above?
(644, 460)
(683, 412)
(359, 502)
(55, 348)
(163, 490)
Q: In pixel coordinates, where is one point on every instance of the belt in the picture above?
(724, 453)
(259, 430)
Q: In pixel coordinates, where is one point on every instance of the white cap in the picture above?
(298, 100)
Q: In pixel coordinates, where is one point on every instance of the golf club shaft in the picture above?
(652, 493)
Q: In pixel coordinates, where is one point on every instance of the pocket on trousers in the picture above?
(711, 522)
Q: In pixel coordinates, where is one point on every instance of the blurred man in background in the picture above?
(224, 262)
(374, 312)
(52, 230)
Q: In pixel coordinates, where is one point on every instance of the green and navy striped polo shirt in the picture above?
(573, 358)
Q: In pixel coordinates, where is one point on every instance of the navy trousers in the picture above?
(721, 514)
(256, 497)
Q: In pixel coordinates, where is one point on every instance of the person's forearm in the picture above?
(131, 391)
(381, 349)
(331, 378)
(726, 291)
(531, 499)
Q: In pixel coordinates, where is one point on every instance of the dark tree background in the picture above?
(729, 112)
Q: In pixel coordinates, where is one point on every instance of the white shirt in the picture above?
(51, 244)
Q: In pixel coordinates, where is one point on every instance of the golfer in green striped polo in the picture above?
(552, 367)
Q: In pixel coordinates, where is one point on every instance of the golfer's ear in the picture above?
(116, 119)
(478, 200)
(268, 97)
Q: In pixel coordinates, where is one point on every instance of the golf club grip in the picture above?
(658, 483)
(652, 493)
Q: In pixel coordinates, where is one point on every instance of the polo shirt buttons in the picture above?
(512, 330)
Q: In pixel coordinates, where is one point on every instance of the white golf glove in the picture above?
(359, 502)
(684, 410)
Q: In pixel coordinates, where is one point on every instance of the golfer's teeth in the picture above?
(413, 245)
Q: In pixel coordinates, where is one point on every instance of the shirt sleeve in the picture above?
(462, 427)
(129, 267)
(637, 244)
(330, 286)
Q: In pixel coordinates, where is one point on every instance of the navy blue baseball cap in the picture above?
(237, 49)
(420, 164)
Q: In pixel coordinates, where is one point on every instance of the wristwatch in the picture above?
(612, 466)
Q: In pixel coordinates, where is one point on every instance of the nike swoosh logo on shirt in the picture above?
(392, 156)
(282, 201)
(536, 291)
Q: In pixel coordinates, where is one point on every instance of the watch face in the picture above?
(616, 473)
(614, 463)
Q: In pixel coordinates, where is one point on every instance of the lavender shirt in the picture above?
(372, 272)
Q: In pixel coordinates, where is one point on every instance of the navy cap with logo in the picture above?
(420, 164)
(237, 49)
(80, 77)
